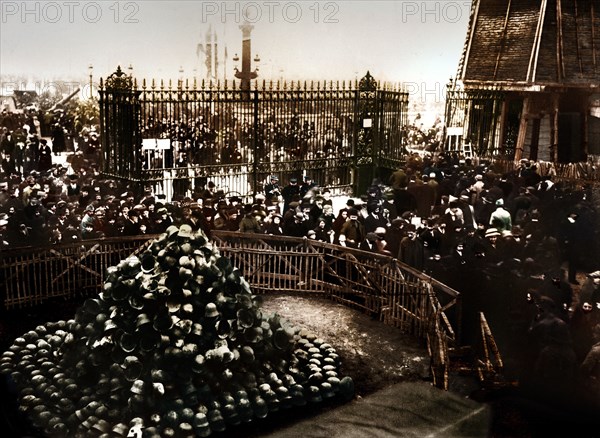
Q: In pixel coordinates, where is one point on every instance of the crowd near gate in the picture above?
(179, 137)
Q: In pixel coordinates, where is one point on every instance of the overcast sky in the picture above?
(398, 41)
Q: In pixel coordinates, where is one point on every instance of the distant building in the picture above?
(528, 82)
(19, 101)
(8, 104)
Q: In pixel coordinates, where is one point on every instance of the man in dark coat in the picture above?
(307, 186)
(374, 219)
(573, 240)
(404, 201)
(58, 139)
(132, 224)
(411, 249)
(297, 226)
(353, 230)
(290, 193)
(45, 161)
(272, 189)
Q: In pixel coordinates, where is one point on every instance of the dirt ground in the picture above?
(372, 353)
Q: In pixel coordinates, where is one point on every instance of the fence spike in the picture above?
(187, 84)
(203, 84)
(170, 84)
(135, 83)
(162, 84)
(144, 83)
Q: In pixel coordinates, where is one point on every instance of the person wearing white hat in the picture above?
(492, 253)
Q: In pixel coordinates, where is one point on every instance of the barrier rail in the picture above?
(574, 173)
(376, 284)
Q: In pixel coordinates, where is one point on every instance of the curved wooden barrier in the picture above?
(382, 286)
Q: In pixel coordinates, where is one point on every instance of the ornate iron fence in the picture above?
(179, 137)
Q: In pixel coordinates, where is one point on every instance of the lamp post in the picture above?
(91, 70)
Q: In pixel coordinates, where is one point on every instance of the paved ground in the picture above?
(410, 409)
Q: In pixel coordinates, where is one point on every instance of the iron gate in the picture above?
(179, 137)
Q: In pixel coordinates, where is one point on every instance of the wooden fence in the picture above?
(31, 276)
(379, 285)
(574, 173)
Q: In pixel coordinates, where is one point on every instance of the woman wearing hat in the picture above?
(249, 223)
(323, 233)
(492, 253)
(273, 225)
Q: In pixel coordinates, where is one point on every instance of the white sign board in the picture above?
(454, 130)
(367, 123)
(156, 143)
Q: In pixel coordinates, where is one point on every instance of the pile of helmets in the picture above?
(174, 345)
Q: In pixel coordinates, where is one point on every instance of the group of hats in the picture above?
(175, 344)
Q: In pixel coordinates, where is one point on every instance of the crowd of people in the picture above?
(209, 138)
(512, 243)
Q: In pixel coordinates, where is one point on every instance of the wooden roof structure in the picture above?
(523, 43)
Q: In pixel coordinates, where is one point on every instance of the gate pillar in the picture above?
(121, 155)
(367, 128)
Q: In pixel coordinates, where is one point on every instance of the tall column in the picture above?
(246, 75)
